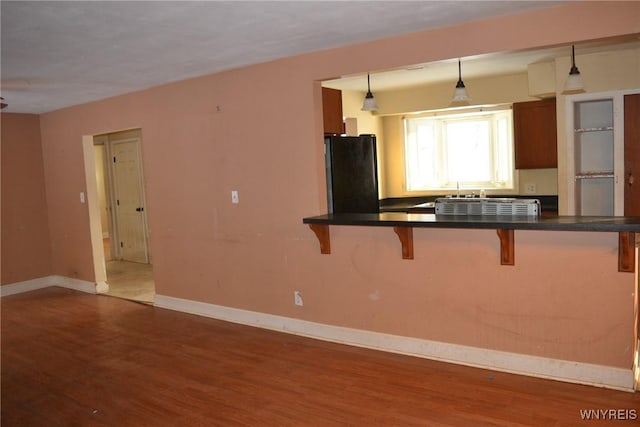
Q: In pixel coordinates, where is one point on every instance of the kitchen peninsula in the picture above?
(505, 226)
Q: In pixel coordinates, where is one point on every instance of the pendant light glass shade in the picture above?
(369, 103)
(574, 83)
(460, 94)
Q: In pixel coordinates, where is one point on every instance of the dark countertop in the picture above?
(421, 220)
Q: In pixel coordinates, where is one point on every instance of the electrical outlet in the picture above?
(234, 197)
(529, 188)
(297, 298)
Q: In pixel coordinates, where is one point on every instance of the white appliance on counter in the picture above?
(487, 206)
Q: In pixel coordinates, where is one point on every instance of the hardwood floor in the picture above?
(74, 359)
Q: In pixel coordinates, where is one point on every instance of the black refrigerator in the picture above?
(352, 174)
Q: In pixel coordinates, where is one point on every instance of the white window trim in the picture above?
(497, 186)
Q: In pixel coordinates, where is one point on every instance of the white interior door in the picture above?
(129, 201)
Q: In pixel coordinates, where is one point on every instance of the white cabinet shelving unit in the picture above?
(596, 154)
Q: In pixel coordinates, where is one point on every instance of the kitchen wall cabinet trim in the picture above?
(505, 227)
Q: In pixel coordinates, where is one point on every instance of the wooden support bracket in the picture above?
(507, 251)
(405, 234)
(626, 245)
(322, 233)
(626, 251)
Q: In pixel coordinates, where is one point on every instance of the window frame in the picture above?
(502, 180)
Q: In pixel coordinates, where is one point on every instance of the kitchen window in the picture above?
(460, 151)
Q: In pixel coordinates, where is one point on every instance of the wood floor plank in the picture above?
(70, 358)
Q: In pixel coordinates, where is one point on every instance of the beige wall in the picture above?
(26, 253)
(492, 90)
(258, 130)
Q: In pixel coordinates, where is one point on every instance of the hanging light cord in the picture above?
(460, 82)
(574, 69)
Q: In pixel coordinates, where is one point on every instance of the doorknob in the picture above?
(139, 209)
(631, 179)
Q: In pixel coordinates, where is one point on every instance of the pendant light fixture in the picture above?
(574, 83)
(369, 103)
(460, 95)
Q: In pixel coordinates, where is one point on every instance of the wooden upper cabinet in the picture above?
(332, 111)
(535, 137)
(632, 156)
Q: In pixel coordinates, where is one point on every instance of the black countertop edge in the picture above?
(557, 223)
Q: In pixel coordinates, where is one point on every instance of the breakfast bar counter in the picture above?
(505, 226)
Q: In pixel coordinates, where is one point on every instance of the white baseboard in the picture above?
(101, 288)
(26, 286)
(522, 364)
(45, 282)
(75, 284)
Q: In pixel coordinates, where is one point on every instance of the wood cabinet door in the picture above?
(534, 132)
(332, 111)
(632, 155)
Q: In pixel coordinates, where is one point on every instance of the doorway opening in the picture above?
(123, 216)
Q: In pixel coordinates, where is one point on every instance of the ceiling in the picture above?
(63, 53)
